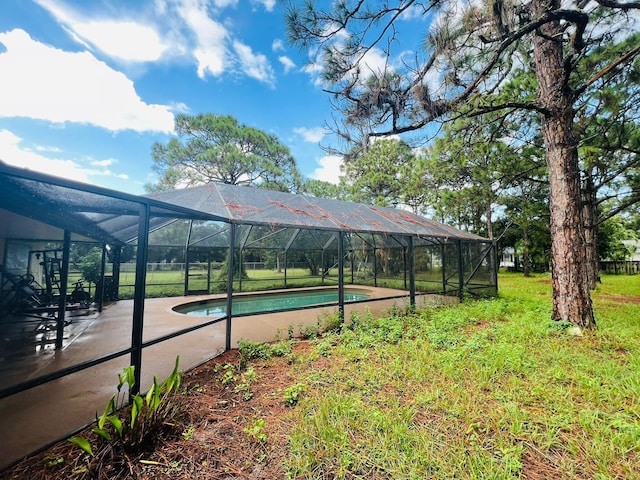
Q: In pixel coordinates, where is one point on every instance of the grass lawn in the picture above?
(489, 389)
(169, 283)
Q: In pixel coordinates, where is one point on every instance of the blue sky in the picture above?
(87, 87)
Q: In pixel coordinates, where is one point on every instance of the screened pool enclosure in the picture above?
(209, 241)
(305, 241)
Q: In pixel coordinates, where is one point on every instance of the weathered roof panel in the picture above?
(242, 204)
(113, 216)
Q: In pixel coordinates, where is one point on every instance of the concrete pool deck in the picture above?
(41, 415)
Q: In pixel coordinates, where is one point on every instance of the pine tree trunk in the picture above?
(489, 222)
(571, 295)
(590, 232)
(526, 269)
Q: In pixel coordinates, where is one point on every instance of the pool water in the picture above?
(269, 302)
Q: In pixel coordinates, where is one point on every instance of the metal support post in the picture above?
(341, 276)
(285, 265)
(443, 253)
(142, 253)
(412, 272)
(62, 300)
(232, 245)
(460, 271)
(116, 257)
(101, 290)
(186, 259)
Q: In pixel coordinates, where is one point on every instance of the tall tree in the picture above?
(527, 209)
(608, 123)
(213, 148)
(378, 175)
(323, 189)
(613, 233)
(606, 119)
(494, 34)
(473, 163)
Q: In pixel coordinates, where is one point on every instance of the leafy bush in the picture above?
(256, 431)
(293, 393)
(121, 433)
(330, 322)
(250, 350)
(91, 265)
(282, 348)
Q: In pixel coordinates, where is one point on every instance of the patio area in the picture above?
(44, 414)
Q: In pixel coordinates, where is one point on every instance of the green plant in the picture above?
(247, 379)
(282, 348)
(188, 432)
(256, 431)
(293, 393)
(53, 460)
(150, 417)
(229, 375)
(90, 265)
(308, 331)
(253, 350)
(330, 322)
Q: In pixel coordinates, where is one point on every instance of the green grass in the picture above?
(167, 283)
(171, 283)
(490, 389)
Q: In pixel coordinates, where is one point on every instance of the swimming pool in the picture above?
(268, 302)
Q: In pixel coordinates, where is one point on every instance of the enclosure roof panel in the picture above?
(111, 216)
(240, 204)
(97, 213)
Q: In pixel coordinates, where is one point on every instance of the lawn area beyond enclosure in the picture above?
(487, 389)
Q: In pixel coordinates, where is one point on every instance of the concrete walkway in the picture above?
(41, 415)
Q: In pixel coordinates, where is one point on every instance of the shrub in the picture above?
(293, 393)
(121, 433)
(252, 350)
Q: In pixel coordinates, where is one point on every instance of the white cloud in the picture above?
(210, 51)
(225, 3)
(42, 82)
(255, 65)
(287, 63)
(374, 62)
(45, 148)
(13, 153)
(315, 71)
(124, 39)
(267, 4)
(311, 135)
(414, 12)
(103, 163)
(169, 30)
(179, 107)
(329, 169)
(277, 45)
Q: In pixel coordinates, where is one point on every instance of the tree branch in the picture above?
(620, 5)
(630, 201)
(439, 107)
(623, 59)
(509, 105)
